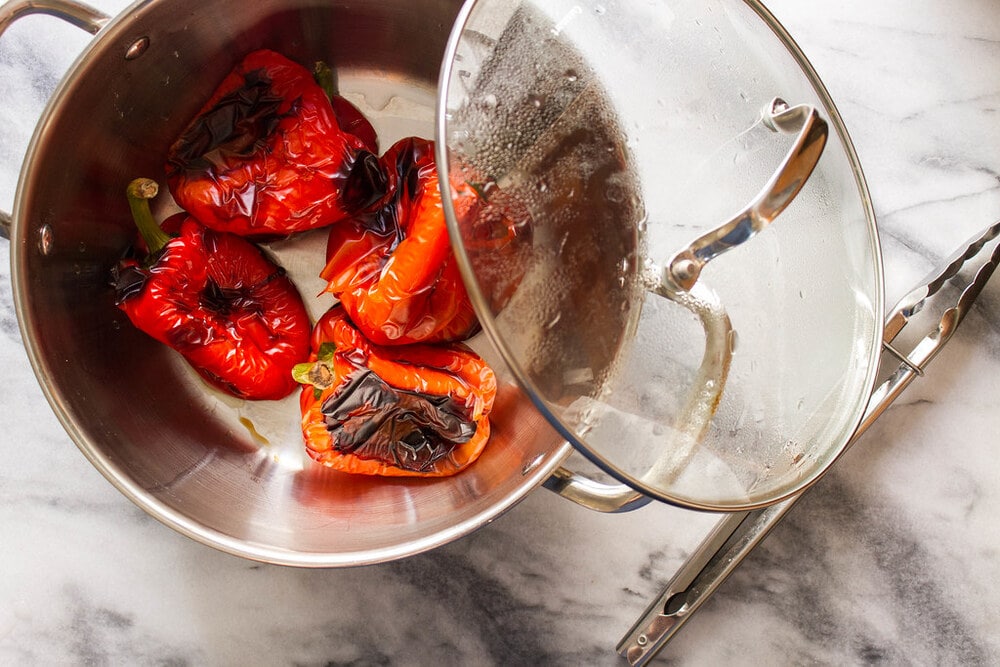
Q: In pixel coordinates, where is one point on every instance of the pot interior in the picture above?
(230, 473)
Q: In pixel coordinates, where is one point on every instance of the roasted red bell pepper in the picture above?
(392, 267)
(410, 410)
(266, 156)
(217, 299)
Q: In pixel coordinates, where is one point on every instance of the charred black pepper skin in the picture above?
(370, 419)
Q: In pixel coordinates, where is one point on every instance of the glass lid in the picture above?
(666, 234)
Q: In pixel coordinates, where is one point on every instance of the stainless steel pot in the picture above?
(184, 454)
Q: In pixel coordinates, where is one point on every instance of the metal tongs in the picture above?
(937, 306)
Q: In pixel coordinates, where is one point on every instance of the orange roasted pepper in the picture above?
(411, 410)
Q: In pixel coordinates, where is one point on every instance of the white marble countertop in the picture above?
(893, 558)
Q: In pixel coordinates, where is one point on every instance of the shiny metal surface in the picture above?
(597, 496)
(179, 451)
(684, 268)
(944, 299)
(626, 130)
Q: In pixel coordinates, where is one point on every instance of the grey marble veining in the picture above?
(894, 558)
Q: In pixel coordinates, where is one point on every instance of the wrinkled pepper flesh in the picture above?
(398, 411)
(392, 267)
(217, 299)
(267, 156)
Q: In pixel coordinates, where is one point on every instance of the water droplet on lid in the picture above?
(615, 194)
(571, 75)
(488, 188)
(562, 243)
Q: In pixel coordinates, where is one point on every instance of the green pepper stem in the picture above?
(324, 77)
(139, 192)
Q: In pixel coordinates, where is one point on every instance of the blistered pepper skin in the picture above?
(392, 267)
(265, 157)
(224, 305)
(454, 388)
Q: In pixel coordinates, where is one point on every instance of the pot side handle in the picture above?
(82, 16)
(594, 495)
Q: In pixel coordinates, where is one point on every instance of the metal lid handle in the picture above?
(685, 267)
